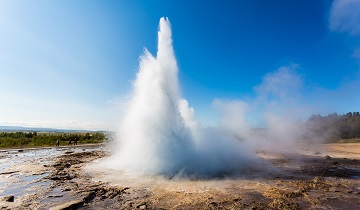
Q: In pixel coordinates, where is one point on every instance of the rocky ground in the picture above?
(325, 178)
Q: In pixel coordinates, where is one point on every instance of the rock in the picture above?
(69, 177)
(55, 178)
(69, 152)
(20, 150)
(141, 206)
(69, 205)
(327, 157)
(9, 198)
(89, 196)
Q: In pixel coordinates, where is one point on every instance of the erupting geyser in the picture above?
(158, 133)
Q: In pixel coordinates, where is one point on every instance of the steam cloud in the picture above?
(158, 133)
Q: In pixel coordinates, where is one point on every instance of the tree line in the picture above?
(22, 139)
(334, 127)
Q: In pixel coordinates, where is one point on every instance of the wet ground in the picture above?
(25, 175)
(321, 177)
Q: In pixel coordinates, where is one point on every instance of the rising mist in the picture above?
(158, 133)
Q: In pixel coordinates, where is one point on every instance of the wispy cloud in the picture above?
(345, 16)
(356, 54)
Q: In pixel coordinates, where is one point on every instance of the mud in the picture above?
(323, 178)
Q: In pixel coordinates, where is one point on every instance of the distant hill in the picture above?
(51, 130)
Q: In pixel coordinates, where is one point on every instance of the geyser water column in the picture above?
(152, 134)
(157, 133)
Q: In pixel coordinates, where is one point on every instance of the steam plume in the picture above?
(158, 133)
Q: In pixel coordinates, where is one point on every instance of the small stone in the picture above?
(55, 178)
(142, 207)
(69, 176)
(9, 198)
(327, 157)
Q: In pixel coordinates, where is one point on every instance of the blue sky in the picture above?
(65, 63)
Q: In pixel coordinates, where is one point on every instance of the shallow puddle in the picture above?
(23, 184)
(15, 181)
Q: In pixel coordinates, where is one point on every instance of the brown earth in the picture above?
(306, 179)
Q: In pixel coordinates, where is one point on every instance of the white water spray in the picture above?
(158, 133)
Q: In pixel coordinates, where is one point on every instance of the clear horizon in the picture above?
(67, 64)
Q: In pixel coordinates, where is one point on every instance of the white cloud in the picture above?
(345, 16)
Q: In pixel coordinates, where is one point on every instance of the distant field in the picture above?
(35, 139)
